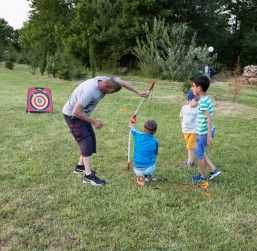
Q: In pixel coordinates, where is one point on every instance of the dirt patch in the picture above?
(171, 99)
(221, 108)
(230, 109)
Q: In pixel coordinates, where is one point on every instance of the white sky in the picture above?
(15, 12)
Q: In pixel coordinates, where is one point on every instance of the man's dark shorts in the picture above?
(83, 134)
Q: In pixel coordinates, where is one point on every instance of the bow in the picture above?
(133, 120)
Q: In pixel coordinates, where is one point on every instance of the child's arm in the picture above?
(131, 125)
(209, 121)
(134, 131)
(181, 114)
(157, 148)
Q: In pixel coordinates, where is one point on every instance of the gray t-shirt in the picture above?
(87, 94)
(188, 114)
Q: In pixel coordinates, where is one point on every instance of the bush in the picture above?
(166, 53)
(10, 57)
(9, 64)
(66, 67)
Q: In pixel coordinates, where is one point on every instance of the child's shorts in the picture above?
(144, 171)
(201, 145)
(83, 133)
(190, 139)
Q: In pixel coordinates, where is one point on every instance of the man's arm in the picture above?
(78, 112)
(209, 121)
(131, 88)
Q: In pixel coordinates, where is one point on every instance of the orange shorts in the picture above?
(190, 139)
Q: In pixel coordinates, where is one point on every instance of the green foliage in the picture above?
(2, 52)
(166, 53)
(10, 57)
(7, 36)
(249, 48)
(112, 26)
(67, 67)
(9, 64)
(243, 27)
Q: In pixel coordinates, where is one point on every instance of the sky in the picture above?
(15, 12)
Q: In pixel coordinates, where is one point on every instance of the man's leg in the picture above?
(87, 164)
(80, 163)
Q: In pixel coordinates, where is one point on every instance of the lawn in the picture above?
(45, 206)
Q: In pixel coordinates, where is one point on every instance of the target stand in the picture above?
(39, 100)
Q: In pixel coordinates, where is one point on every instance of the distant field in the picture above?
(43, 205)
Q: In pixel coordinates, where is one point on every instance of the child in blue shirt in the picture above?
(145, 150)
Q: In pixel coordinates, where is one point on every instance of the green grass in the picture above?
(43, 205)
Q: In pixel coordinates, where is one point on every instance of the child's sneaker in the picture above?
(197, 177)
(214, 174)
(140, 180)
(185, 163)
(148, 178)
(93, 180)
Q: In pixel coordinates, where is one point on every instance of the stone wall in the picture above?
(250, 73)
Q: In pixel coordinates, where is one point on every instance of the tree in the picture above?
(241, 17)
(7, 36)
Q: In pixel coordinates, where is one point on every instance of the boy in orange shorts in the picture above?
(188, 116)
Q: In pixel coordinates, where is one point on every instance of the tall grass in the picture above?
(45, 206)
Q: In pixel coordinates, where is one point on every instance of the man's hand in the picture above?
(143, 94)
(97, 124)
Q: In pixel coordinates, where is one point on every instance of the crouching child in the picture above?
(145, 151)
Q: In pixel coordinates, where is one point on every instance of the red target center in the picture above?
(39, 100)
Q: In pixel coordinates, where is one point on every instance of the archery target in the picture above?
(39, 100)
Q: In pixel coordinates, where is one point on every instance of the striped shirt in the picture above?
(205, 104)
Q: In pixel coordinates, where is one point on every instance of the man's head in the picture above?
(112, 85)
(200, 84)
(150, 126)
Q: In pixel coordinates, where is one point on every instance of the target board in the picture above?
(39, 100)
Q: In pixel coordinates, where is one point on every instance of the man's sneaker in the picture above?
(197, 177)
(185, 163)
(79, 169)
(93, 180)
(214, 174)
(140, 180)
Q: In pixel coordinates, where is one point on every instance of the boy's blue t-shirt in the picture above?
(145, 149)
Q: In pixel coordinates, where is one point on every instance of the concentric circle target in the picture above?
(39, 101)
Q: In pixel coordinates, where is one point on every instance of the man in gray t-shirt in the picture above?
(77, 113)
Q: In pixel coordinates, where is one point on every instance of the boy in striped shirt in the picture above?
(204, 128)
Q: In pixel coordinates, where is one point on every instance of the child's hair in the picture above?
(151, 126)
(190, 95)
(202, 81)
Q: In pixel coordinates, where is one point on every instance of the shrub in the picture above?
(166, 53)
(67, 67)
(10, 57)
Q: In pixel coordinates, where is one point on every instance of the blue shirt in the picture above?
(145, 149)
